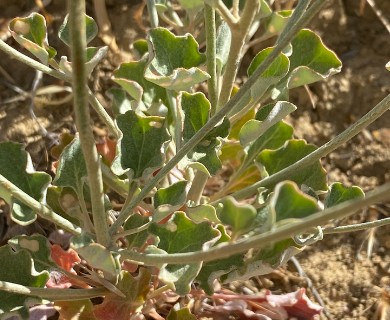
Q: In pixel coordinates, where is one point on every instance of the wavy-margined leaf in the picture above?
(196, 109)
(167, 200)
(142, 143)
(91, 30)
(30, 32)
(180, 234)
(313, 176)
(16, 166)
(174, 61)
(275, 22)
(310, 60)
(218, 268)
(254, 129)
(130, 76)
(19, 268)
(134, 290)
(238, 216)
(203, 212)
(339, 193)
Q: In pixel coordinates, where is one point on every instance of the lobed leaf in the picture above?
(16, 166)
(339, 193)
(90, 32)
(31, 33)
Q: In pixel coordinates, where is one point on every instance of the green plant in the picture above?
(170, 140)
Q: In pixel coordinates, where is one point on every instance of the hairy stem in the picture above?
(87, 141)
(197, 186)
(358, 226)
(153, 16)
(260, 241)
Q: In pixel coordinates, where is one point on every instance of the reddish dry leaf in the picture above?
(107, 149)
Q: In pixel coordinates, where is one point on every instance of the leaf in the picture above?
(254, 129)
(311, 60)
(142, 145)
(223, 41)
(121, 103)
(191, 5)
(75, 310)
(167, 200)
(218, 268)
(288, 202)
(275, 23)
(180, 314)
(339, 193)
(30, 32)
(135, 290)
(19, 268)
(203, 212)
(313, 176)
(90, 25)
(174, 60)
(238, 216)
(140, 47)
(196, 114)
(16, 166)
(178, 235)
(130, 76)
(138, 239)
(71, 171)
(99, 257)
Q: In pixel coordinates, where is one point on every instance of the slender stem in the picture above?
(87, 141)
(176, 131)
(111, 180)
(153, 16)
(211, 37)
(358, 226)
(260, 241)
(197, 187)
(242, 94)
(133, 231)
(229, 18)
(343, 137)
(53, 294)
(239, 34)
(88, 225)
(39, 208)
(133, 186)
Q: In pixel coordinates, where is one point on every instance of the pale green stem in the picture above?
(53, 294)
(88, 225)
(197, 187)
(330, 146)
(83, 120)
(133, 186)
(262, 240)
(13, 53)
(153, 16)
(39, 208)
(357, 227)
(176, 131)
(133, 230)
(225, 13)
(211, 36)
(236, 99)
(239, 34)
(121, 187)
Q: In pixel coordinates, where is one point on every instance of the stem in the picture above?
(330, 146)
(358, 226)
(42, 210)
(236, 99)
(260, 241)
(53, 294)
(211, 37)
(87, 141)
(111, 180)
(176, 131)
(197, 186)
(152, 13)
(133, 231)
(229, 18)
(239, 34)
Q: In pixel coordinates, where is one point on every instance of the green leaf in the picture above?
(339, 193)
(130, 76)
(140, 47)
(203, 212)
(30, 32)
(311, 60)
(39, 248)
(218, 268)
(254, 129)
(19, 268)
(142, 145)
(238, 216)
(191, 5)
(223, 41)
(313, 176)
(120, 101)
(136, 240)
(16, 166)
(196, 109)
(180, 314)
(174, 60)
(99, 257)
(288, 202)
(71, 171)
(167, 200)
(275, 23)
(179, 235)
(91, 30)
(134, 289)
